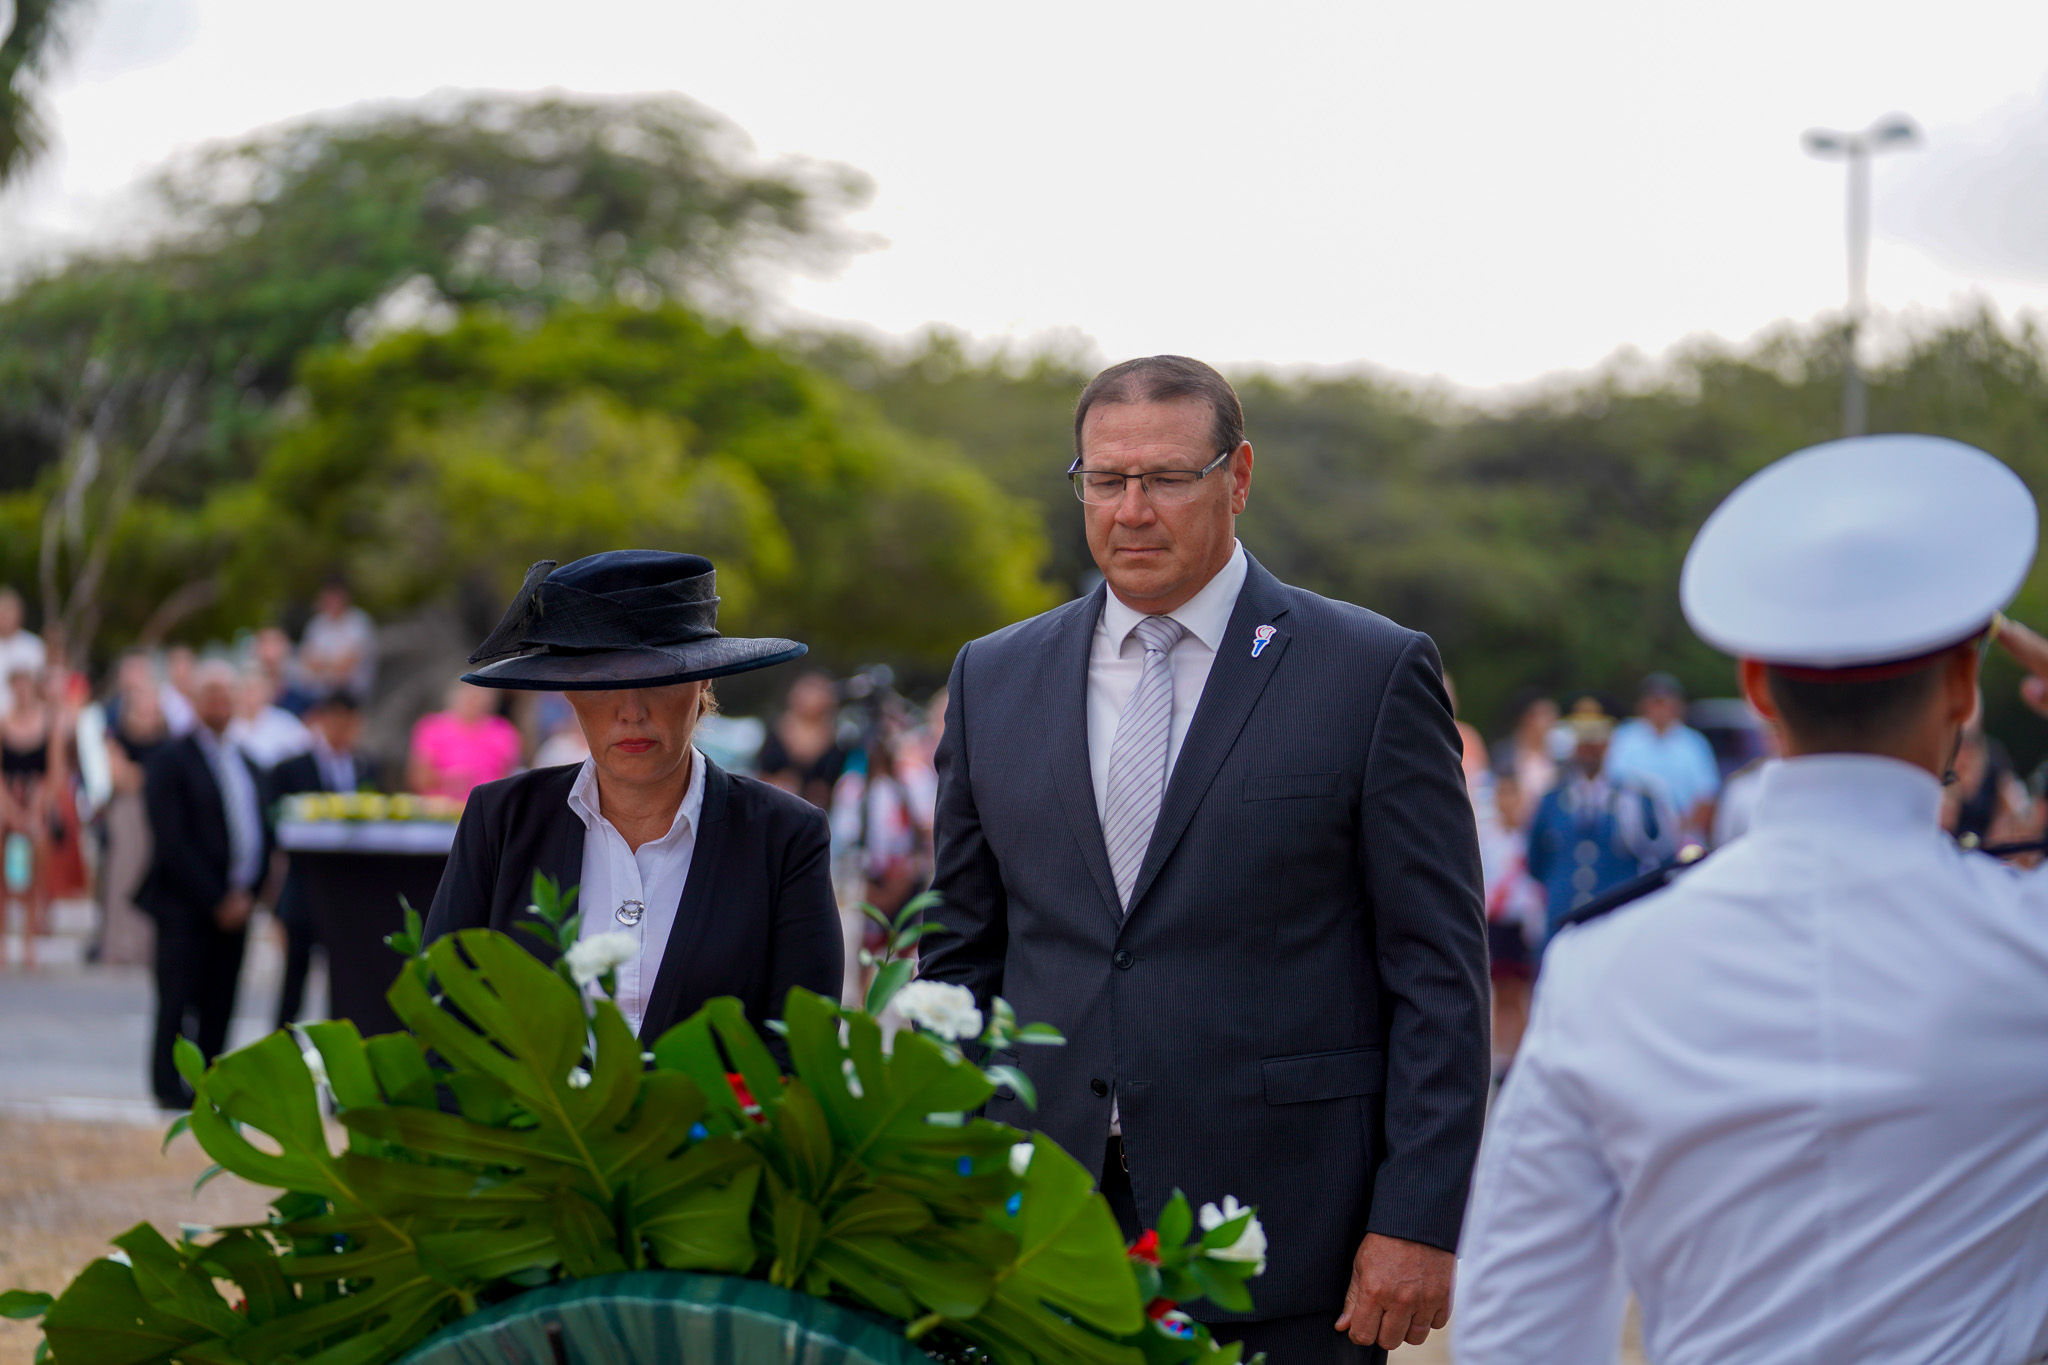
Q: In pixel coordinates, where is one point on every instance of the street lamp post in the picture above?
(1894, 132)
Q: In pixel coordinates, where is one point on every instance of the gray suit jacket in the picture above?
(1295, 1010)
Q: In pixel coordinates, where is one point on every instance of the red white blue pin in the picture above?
(1262, 637)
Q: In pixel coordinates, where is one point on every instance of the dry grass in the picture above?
(66, 1187)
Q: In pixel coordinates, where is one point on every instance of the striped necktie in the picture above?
(1137, 757)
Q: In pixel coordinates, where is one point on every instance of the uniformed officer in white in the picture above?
(1797, 1102)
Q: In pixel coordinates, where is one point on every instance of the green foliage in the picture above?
(1012, 414)
(21, 1303)
(516, 1137)
(28, 49)
(1538, 539)
(141, 389)
(464, 456)
(895, 964)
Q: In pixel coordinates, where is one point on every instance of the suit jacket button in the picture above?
(1099, 1086)
(1123, 959)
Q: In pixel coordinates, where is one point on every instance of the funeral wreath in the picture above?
(518, 1138)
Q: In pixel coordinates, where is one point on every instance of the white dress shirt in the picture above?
(1116, 659)
(654, 874)
(1798, 1103)
(271, 736)
(337, 771)
(241, 806)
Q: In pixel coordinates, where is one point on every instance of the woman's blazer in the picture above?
(757, 914)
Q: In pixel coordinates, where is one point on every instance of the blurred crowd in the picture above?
(1575, 801)
(75, 753)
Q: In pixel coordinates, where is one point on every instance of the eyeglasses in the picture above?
(1162, 487)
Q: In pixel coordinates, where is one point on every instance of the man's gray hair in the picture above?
(210, 671)
(1160, 379)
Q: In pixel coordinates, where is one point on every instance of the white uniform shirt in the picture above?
(654, 875)
(1116, 660)
(1798, 1103)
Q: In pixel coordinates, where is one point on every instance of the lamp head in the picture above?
(1823, 142)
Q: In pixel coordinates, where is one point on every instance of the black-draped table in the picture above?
(353, 874)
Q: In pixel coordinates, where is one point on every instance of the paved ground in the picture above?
(74, 1038)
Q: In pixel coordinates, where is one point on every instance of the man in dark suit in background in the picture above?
(212, 844)
(331, 765)
(1215, 829)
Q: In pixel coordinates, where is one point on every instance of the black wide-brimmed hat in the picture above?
(625, 618)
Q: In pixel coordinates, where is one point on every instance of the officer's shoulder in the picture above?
(1662, 909)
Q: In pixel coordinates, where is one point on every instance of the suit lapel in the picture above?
(1067, 685)
(1235, 681)
(693, 915)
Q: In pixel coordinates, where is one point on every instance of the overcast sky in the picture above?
(1481, 193)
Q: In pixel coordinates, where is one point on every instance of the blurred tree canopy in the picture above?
(1538, 541)
(456, 459)
(29, 45)
(430, 344)
(139, 388)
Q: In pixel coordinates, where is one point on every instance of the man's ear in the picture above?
(1754, 675)
(1241, 478)
(1960, 695)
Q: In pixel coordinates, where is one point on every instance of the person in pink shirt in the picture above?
(461, 747)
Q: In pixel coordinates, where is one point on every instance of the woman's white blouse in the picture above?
(615, 876)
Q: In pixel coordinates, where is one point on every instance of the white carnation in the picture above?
(1251, 1242)
(1020, 1158)
(941, 1008)
(591, 957)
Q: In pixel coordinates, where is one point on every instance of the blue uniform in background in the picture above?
(1592, 835)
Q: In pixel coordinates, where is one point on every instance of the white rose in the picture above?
(579, 1079)
(1020, 1158)
(941, 1008)
(852, 1074)
(591, 957)
(1251, 1242)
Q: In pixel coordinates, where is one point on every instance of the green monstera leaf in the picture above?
(516, 1137)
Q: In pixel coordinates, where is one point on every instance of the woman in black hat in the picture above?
(722, 882)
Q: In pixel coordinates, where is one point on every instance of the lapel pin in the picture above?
(1262, 637)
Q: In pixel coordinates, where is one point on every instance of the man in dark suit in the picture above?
(1215, 829)
(212, 844)
(331, 765)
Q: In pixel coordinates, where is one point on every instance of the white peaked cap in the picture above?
(1859, 552)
